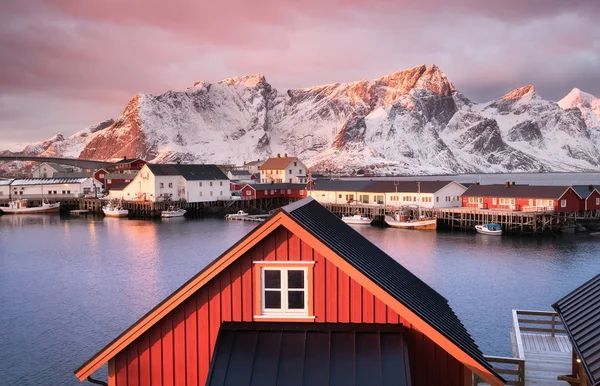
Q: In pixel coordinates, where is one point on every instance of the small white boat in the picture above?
(20, 206)
(489, 229)
(114, 209)
(357, 219)
(173, 212)
(236, 216)
(402, 221)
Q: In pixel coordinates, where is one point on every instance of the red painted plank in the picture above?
(319, 287)
(156, 352)
(167, 350)
(392, 316)
(236, 292)
(247, 288)
(191, 341)
(380, 312)
(203, 335)
(144, 352)
(179, 344)
(225, 279)
(295, 253)
(121, 369)
(432, 363)
(420, 369)
(214, 312)
(133, 366)
(441, 358)
(331, 295)
(343, 297)
(281, 244)
(268, 248)
(356, 311)
(368, 309)
(306, 252)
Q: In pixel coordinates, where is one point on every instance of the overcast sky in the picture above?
(67, 64)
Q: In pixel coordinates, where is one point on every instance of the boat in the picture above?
(240, 213)
(20, 206)
(357, 219)
(403, 221)
(489, 229)
(173, 212)
(114, 209)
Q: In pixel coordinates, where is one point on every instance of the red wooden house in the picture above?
(303, 299)
(527, 198)
(128, 164)
(590, 197)
(288, 190)
(100, 175)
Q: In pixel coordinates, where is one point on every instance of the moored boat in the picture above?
(357, 219)
(403, 221)
(236, 216)
(173, 212)
(20, 206)
(489, 229)
(114, 209)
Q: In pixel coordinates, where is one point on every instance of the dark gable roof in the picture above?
(277, 163)
(379, 186)
(386, 272)
(516, 191)
(240, 172)
(284, 185)
(119, 185)
(580, 313)
(333, 354)
(189, 172)
(583, 191)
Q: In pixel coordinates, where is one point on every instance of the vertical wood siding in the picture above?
(177, 350)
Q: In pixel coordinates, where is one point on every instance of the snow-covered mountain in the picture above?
(412, 121)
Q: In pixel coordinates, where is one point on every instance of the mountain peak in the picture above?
(246, 80)
(576, 98)
(423, 76)
(520, 92)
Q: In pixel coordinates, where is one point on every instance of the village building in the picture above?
(580, 314)
(526, 198)
(302, 299)
(253, 166)
(54, 188)
(48, 169)
(283, 190)
(240, 175)
(590, 197)
(174, 182)
(283, 169)
(426, 194)
(127, 165)
(116, 190)
(5, 188)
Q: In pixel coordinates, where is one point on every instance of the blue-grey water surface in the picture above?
(68, 286)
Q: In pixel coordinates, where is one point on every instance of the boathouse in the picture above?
(580, 314)
(254, 191)
(127, 165)
(5, 188)
(302, 299)
(283, 169)
(526, 198)
(48, 169)
(54, 188)
(590, 197)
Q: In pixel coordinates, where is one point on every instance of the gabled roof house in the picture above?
(303, 299)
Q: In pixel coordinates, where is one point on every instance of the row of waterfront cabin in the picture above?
(51, 188)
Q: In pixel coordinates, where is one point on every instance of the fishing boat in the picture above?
(236, 216)
(114, 209)
(403, 221)
(357, 219)
(20, 206)
(489, 229)
(173, 212)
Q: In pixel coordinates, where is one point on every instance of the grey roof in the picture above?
(379, 186)
(121, 176)
(240, 173)
(189, 172)
(48, 181)
(584, 191)
(72, 174)
(57, 167)
(283, 185)
(5, 182)
(580, 313)
(253, 163)
(119, 185)
(310, 354)
(516, 191)
(386, 272)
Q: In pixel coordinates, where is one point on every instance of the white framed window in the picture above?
(530, 202)
(210, 183)
(597, 200)
(221, 183)
(284, 291)
(161, 185)
(248, 192)
(170, 184)
(289, 191)
(563, 203)
(200, 184)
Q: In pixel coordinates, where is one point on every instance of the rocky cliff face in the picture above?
(412, 121)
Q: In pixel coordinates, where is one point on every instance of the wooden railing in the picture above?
(541, 322)
(511, 369)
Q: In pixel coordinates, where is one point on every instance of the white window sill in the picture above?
(283, 316)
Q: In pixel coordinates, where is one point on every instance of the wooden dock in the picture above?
(541, 349)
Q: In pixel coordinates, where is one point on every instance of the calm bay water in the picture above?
(68, 286)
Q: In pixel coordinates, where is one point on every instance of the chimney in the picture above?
(513, 183)
(124, 157)
(285, 155)
(278, 155)
(507, 184)
(591, 187)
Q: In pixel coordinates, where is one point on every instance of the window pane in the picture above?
(272, 278)
(296, 300)
(273, 299)
(296, 279)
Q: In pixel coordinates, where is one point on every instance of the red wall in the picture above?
(177, 350)
(294, 193)
(591, 201)
(573, 203)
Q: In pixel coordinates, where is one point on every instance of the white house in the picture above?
(47, 170)
(253, 166)
(240, 175)
(4, 189)
(193, 183)
(426, 194)
(54, 187)
(283, 169)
